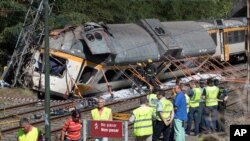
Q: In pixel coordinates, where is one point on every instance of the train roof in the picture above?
(134, 42)
(223, 23)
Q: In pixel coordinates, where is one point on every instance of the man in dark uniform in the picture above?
(150, 71)
(223, 96)
(140, 70)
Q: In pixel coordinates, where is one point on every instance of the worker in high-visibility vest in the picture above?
(223, 96)
(194, 111)
(101, 113)
(152, 98)
(142, 119)
(164, 117)
(211, 93)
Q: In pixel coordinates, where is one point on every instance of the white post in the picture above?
(126, 131)
(84, 131)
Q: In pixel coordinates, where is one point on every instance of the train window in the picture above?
(98, 36)
(159, 31)
(87, 74)
(57, 65)
(90, 37)
(214, 37)
(110, 74)
(236, 36)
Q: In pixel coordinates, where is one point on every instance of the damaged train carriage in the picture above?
(85, 59)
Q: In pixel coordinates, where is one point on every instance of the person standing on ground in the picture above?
(194, 111)
(211, 93)
(202, 126)
(223, 96)
(164, 117)
(180, 114)
(28, 132)
(101, 113)
(72, 127)
(142, 119)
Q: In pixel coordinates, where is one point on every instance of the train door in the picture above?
(85, 80)
(226, 55)
(224, 46)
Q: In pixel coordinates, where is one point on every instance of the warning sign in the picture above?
(111, 129)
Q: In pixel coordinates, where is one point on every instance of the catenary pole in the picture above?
(248, 54)
(47, 68)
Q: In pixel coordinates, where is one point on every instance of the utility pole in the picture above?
(47, 69)
(248, 54)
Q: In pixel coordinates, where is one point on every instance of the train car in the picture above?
(229, 37)
(86, 59)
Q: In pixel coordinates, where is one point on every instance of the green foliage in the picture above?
(76, 12)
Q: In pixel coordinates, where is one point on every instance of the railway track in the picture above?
(33, 110)
(126, 105)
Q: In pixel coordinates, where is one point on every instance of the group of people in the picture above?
(172, 117)
(71, 130)
(158, 116)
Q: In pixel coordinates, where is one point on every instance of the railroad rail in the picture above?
(57, 121)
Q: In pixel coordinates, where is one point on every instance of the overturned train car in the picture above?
(85, 59)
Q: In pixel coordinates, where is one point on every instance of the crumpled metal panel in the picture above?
(192, 37)
(97, 41)
(132, 43)
(166, 44)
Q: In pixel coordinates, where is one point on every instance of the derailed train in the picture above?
(86, 58)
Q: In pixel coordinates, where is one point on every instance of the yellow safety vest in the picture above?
(105, 114)
(167, 108)
(143, 121)
(30, 136)
(195, 100)
(211, 96)
(187, 102)
(152, 99)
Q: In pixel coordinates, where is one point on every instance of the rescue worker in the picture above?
(194, 111)
(150, 71)
(101, 113)
(152, 98)
(28, 132)
(180, 114)
(202, 126)
(164, 117)
(223, 96)
(137, 81)
(211, 93)
(142, 119)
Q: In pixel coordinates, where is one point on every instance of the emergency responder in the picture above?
(164, 117)
(150, 71)
(223, 96)
(142, 119)
(194, 111)
(211, 93)
(202, 126)
(101, 113)
(27, 132)
(152, 98)
(138, 82)
(180, 114)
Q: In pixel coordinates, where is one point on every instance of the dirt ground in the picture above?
(17, 93)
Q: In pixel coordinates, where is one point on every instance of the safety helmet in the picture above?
(139, 64)
(150, 60)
